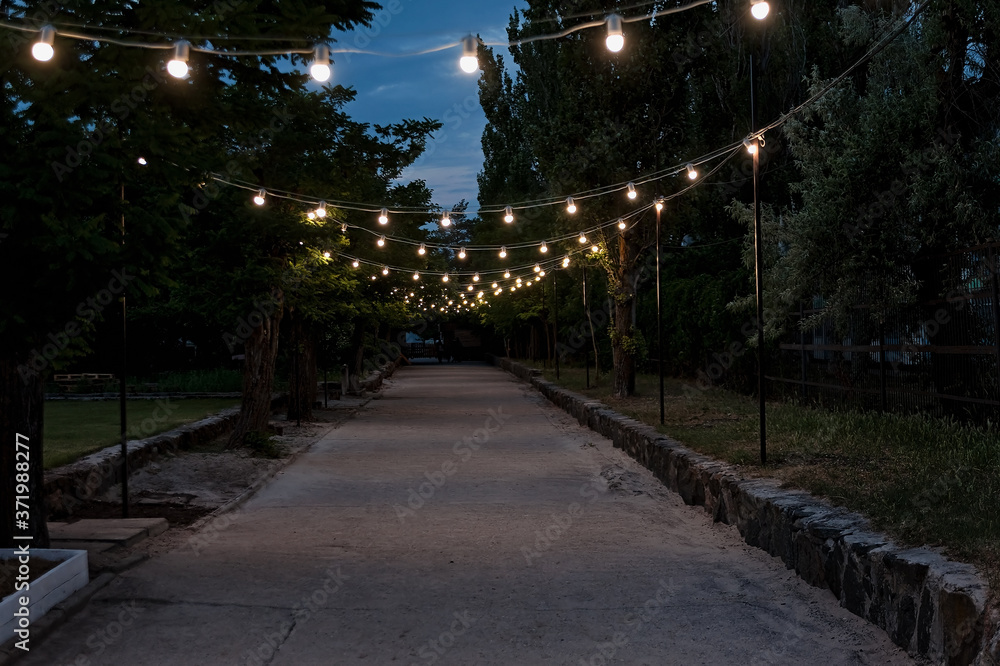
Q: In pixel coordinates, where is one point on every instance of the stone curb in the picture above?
(91, 475)
(931, 606)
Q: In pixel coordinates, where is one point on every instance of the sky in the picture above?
(392, 88)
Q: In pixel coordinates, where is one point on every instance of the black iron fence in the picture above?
(940, 355)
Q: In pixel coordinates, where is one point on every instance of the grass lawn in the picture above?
(923, 481)
(75, 428)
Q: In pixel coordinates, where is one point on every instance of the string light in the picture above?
(320, 69)
(383, 217)
(178, 67)
(355, 263)
(470, 59)
(506, 275)
(692, 172)
(595, 249)
(751, 146)
(494, 285)
(321, 210)
(142, 161)
(659, 203)
(444, 278)
(381, 241)
(508, 214)
(385, 270)
(260, 198)
(583, 238)
(469, 288)
(570, 205)
(461, 253)
(632, 194)
(416, 276)
(541, 274)
(503, 252)
(43, 50)
(422, 250)
(616, 36)
(326, 255)
(545, 248)
(566, 261)
(621, 224)
(445, 220)
(760, 9)
(475, 278)
(537, 268)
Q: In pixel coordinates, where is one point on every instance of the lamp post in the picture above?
(659, 306)
(760, 10)
(555, 321)
(122, 398)
(586, 352)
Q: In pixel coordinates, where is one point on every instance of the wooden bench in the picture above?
(67, 382)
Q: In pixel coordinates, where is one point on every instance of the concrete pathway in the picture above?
(462, 519)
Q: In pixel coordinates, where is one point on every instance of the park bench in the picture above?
(67, 382)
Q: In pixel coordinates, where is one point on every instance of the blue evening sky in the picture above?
(390, 89)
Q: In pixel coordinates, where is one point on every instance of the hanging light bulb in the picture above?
(385, 270)
(475, 278)
(760, 9)
(343, 228)
(178, 66)
(544, 248)
(508, 214)
(566, 261)
(616, 36)
(321, 210)
(416, 276)
(570, 205)
(445, 279)
(519, 280)
(480, 295)
(494, 285)
(537, 268)
(542, 274)
(42, 50)
(311, 215)
(503, 252)
(422, 250)
(659, 203)
(326, 255)
(470, 59)
(355, 263)
(583, 238)
(320, 69)
(506, 275)
(445, 220)
(381, 241)
(621, 224)
(260, 198)
(461, 253)
(595, 249)
(469, 288)
(632, 194)
(538, 279)
(142, 161)
(751, 146)
(692, 172)
(383, 217)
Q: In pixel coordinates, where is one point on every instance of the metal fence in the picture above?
(939, 356)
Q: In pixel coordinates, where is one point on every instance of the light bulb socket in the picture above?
(47, 35)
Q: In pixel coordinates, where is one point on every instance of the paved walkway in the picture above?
(464, 520)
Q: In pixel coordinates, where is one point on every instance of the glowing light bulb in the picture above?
(385, 270)
(422, 249)
(503, 252)
(475, 278)
(320, 69)
(142, 161)
(519, 280)
(445, 279)
(178, 66)
(544, 248)
(470, 59)
(321, 210)
(659, 203)
(508, 214)
(260, 198)
(326, 255)
(570, 205)
(494, 285)
(760, 9)
(469, 288)
(355, 263)
(461, 253)
(416, 276)
(566, 261)
(311, 215)
(383, 217)
(542, 274)
(381, 241)
(42, 50)
(632, 194)
(616, 36)
(595, 249)
(583, 238)
(445, 220)
(751, 146)
(692, 172)
(506, 275)
(537, 268)
(621, 224)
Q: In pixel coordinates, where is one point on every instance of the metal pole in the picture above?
(803, 359)
(122, 399)
(659, 312)
(759, 262)
(586, 311)
(994, 267)
(555, 321)
(326, 386)
(882, 368)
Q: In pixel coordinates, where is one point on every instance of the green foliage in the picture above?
(264, 445)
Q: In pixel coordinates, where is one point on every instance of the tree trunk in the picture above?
(302, 373)
(261, 350)
(21, 405)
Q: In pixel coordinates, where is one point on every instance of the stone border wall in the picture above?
(927, 604)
